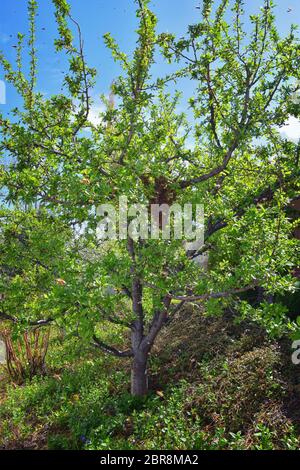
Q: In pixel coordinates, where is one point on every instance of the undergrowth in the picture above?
(235, 392)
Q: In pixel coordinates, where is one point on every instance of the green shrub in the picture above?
(231, 398)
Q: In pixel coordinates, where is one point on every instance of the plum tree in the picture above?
(225, 152)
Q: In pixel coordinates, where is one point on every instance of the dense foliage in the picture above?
(229, 156)
(240, 395)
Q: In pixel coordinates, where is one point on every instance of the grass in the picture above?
(216, 385)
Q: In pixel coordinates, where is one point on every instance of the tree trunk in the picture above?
(139, 377)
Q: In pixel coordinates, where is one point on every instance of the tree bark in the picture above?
(139, 377)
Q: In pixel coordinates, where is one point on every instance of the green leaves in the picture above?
(220, 148)
(270, 315)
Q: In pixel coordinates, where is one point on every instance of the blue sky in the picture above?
(97, 17)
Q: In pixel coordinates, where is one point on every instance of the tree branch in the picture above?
(159, 319)
(215, 171)
(110, 349)
(4, 317)
(215, 295)
(265, 196)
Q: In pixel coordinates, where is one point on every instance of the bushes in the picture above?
(79, 411)
(230, 392)
(226, 394)
(25, 356)
(175, 422)
(68, 404)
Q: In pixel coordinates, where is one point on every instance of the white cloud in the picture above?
(291, 129)
(94, 114)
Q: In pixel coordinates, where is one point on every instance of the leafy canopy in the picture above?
(225, 152)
